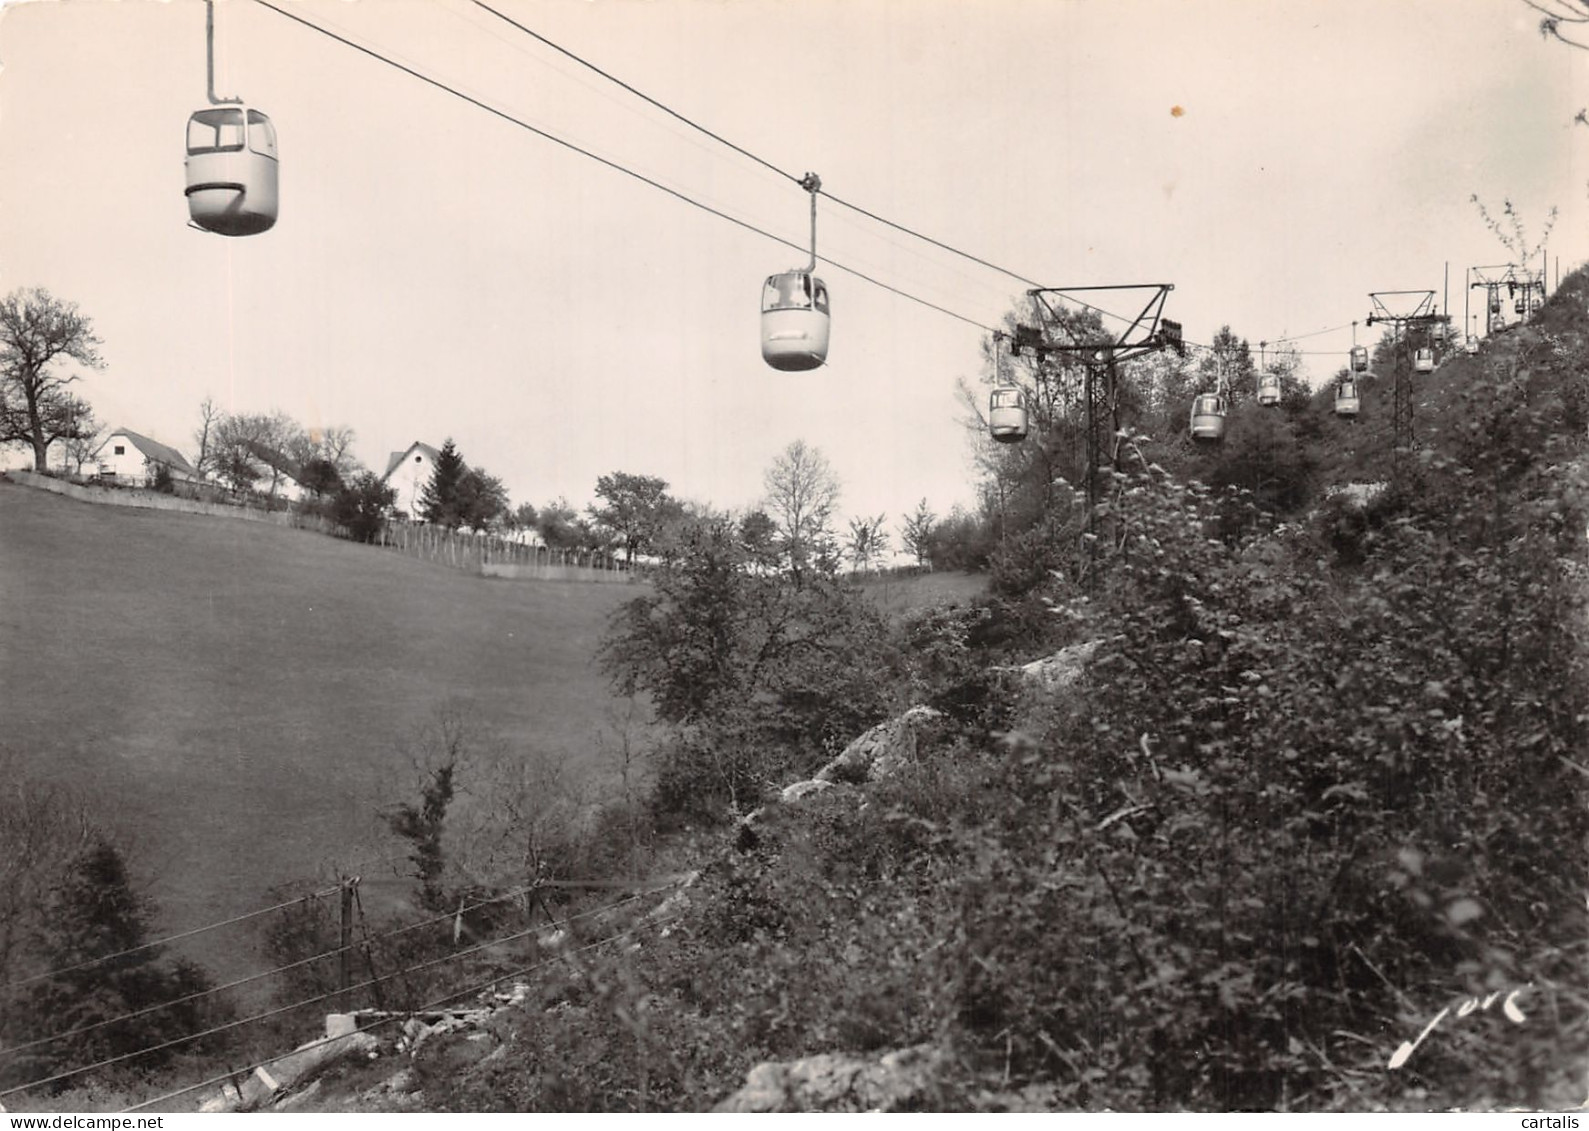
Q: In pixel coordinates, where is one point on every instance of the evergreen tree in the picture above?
(94, 930)
(440, 502)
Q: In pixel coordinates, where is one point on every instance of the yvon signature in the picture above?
(1472, 1005)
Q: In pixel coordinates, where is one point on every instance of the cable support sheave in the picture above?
(168, 939)
(212, 1031)
(8, 1051)
(432, 1004)
(613, 165)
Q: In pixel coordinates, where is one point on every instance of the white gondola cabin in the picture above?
(1517, 307)
(231, 170)
(794, 321)
(1497, 323)
(1269, 389)
(1208, 417)
(1007, 416)
(1359, 359)
(1423, 360)
(1472, 344)
(1347, 401)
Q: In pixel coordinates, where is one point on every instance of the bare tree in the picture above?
(84, 437)
(336, 444)
(37, 331)
(802, 491)
(204, 439)
(1556, 13)
(253, 447)
(1508, 228)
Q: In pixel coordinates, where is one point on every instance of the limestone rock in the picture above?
(881, 750)
(1060, 670)
(898, 1081)
(801, 789)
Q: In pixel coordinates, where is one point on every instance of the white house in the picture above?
(133, 458)
(407, 473)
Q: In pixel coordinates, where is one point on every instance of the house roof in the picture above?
(152, 449)
(396, 458)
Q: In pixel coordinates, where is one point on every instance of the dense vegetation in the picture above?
(1313, 788)
(1310, 792)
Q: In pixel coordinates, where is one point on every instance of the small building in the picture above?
(134, 459)
(408, 472)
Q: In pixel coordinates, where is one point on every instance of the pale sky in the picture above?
(439, 272)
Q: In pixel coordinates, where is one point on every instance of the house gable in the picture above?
(135, 450)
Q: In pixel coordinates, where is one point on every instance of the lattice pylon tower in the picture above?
(1402, 439)
(1411, 308)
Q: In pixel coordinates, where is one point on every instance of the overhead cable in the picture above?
(162, 941)
(611, 164)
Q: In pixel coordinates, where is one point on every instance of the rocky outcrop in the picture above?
(1063, 668)
(903, 1080)
(881, 750)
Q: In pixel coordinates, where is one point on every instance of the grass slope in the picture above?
(232, 695)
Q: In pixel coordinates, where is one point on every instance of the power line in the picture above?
(613, 165)
(161, 942)
(213, 1030)
(81, 1029)
(432, 1004)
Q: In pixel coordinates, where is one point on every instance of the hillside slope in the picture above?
(233, 696)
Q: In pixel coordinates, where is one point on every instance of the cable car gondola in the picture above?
(1497, 323)
(1347, 401)
(1269, 389)
(231, 160)
(1007, 416)
(1359, 359)
(1517, 307)
(1007, 419)
(794, 308)
(1423, 360)
(794, 321)
(1208, 417)
(231, 170)
(1472, 344)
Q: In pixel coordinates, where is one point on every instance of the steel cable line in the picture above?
(1311, 334)
(432, 1004)
(774, 168)
(266, 1015)
(613, 165)
(12, 1049)
(639, 94)
(7, 988)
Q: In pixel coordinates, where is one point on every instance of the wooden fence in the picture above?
(491, 555)
(488, 555)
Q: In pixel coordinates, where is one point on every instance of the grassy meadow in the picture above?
(234, 698)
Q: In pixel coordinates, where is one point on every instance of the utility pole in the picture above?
(345, 944)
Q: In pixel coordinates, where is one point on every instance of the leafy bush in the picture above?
(362, 506)
(760, 673)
